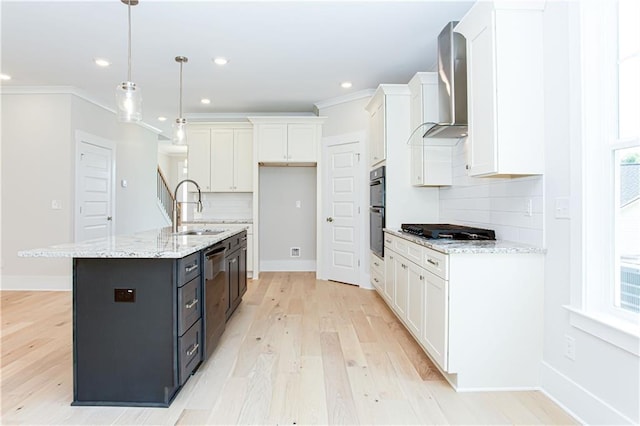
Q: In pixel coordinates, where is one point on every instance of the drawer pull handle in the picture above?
(191, 267)
(387, 241)
(376, 263)
(191, 304)
(376, 280)
(243, 239)
(433, 262)
(193, 349)
(421, 278)
(234, 260)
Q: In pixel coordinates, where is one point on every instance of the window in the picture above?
(607, 302)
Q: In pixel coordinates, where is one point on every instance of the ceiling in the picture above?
(283, 56)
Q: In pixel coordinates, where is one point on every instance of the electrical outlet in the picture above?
(295, 251)
(570, 347)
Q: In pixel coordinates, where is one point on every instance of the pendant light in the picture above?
(180, 126)
(128, 96)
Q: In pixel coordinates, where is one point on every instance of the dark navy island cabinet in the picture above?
(138, 327)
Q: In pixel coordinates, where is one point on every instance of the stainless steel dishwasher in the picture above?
(216, 296)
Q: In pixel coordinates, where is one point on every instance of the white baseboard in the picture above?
(37, 282)
(287, 265)
(579, 402)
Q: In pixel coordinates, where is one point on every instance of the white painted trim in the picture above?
(287, 265)
(612, 330)
(37, 282)
(67, 90)
(583, 405)
(367, 93)
(81, 137)
(287, 119)
(236, 117)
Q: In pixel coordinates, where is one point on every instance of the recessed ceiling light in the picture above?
(346, 84)
(220, 61)
(101, 62)
(5, 77)
(162, 118)
(205, 101)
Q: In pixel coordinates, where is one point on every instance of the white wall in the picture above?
(36, 168)
(601, 385)
(38, 142)
(500, 204)
(282, 224)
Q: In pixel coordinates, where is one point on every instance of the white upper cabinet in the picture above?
(505, 88)
(287, 139)
(220, 158)
(430, 163)
(388, 109)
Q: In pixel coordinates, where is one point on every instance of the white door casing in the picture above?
(94, 187)
(342, 211)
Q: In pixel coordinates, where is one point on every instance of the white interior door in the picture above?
(94, 188)
(342, 213)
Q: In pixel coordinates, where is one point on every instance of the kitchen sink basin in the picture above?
(202, 232)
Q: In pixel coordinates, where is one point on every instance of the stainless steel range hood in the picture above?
(452, 85)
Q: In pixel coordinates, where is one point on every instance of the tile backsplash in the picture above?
(513, 207)
(222, 206)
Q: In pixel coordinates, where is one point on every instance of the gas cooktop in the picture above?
(446, 231)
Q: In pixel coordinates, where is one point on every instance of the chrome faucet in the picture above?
(176, 220)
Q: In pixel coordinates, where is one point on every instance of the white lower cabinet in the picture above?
(436, 318)
(477, 315)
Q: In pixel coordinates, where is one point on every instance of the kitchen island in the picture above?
(144, 306)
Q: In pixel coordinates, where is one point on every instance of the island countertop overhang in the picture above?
(152, 244)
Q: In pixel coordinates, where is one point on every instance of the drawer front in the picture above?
(236, 241)
(408, 249)
(388, 240)
(189, 302)
(377, 281)
(188, 268)
(436, 262)
(376, 264)
(190, 351)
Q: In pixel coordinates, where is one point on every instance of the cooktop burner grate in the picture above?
(447, 231)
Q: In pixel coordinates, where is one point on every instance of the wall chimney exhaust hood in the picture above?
(452, 86)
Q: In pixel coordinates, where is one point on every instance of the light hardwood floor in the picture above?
(297, 351)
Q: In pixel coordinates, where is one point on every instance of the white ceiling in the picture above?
(284, 56)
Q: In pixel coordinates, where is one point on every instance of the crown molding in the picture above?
(66, 90)
(367, 93)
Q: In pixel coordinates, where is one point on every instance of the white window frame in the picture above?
(593, 265)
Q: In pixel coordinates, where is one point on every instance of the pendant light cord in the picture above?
(129, 9)
(180, 103)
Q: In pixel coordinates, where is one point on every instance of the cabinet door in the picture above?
(243, 160)
(377, 150)
(233, 271)
(483, 152)
(436, 318)
(199, 157)
(389, 276)
(222, 160)
(415, 304)
(272, 142)
(402, 287)
(250, 252)
(301, 142)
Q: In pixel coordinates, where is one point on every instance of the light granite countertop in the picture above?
(468, 246)
(220, 222)
(158, 243)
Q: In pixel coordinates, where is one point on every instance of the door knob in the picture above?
(329, 219)
(109, 217)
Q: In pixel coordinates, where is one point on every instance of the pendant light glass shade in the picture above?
(129, 101)
(180, 131)
(180, 126)
(128, 95)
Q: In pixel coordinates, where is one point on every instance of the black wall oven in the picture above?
(376, 211)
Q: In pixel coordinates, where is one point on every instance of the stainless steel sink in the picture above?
(202, 232)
